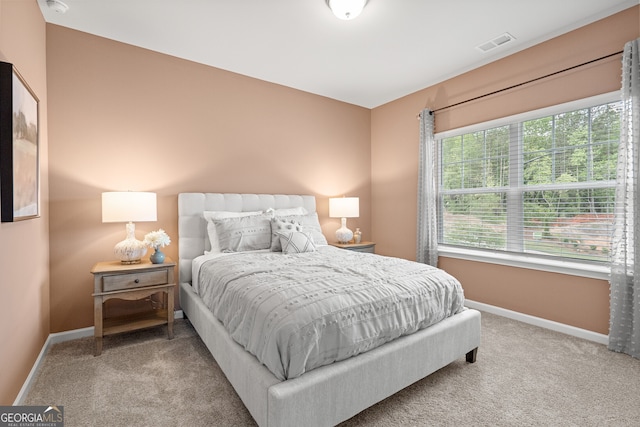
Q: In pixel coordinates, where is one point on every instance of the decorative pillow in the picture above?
(278, 225)
(248, 233)
(296, 242)
(310, 225)
(211, 227)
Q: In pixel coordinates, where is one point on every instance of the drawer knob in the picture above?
(137, 281)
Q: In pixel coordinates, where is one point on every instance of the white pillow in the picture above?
(210, 216)
(291, 211)
(247, 233)
(296, 242)
(310, 225)
(286, 211)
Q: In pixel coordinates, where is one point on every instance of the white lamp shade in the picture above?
(129, 206)
(346, 9)
(344, 207)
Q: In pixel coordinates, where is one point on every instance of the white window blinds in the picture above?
(539, 183)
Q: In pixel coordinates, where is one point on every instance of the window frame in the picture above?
(582, 268)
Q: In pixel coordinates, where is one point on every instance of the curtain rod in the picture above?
(525, 83)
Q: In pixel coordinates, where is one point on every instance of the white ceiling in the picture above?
(394, 48)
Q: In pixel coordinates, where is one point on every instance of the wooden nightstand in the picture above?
(369, 247)
(131, 282)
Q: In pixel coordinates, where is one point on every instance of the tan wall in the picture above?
(394, 151)
(125, 118)
(24, 245)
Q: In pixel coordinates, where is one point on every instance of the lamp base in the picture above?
(343, 234)
(130, 250)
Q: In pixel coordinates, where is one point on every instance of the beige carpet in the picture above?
(524, 376)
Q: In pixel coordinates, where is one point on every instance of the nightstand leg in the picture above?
(97, 321)
(98, 350)
(170, 313)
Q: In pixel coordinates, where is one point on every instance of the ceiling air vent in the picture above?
(496, 42)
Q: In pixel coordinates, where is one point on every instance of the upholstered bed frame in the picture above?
(330, 394)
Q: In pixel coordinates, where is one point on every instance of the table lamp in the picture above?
(129, 206)
(344, 207)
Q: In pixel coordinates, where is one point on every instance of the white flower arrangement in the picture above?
(157, 239)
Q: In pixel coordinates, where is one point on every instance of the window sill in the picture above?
(592, 271)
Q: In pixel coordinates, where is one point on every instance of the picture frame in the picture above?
(19, 147)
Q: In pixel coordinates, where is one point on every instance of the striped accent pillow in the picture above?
(296, 242)
(248, 233)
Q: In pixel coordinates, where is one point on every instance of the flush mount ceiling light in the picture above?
(346, 9)
(57, 5)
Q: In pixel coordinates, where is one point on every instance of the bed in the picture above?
(330, 393)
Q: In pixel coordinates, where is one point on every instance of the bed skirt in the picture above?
(334, 393)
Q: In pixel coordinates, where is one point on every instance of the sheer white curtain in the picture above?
(427, 238)
(624, 328)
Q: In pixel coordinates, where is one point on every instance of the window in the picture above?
(541, 183)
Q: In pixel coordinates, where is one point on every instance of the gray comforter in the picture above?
(298, 312)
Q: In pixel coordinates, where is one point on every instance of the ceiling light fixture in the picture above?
(346, 9)
(57, 5)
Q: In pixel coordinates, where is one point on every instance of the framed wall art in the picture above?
(19, 147)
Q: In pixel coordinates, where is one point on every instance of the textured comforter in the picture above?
(297, 312)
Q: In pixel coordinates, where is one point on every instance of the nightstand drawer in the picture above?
(134, 280)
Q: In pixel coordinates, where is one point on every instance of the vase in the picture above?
(357, 236)
(157, 257)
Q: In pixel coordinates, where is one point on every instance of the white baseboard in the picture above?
(538, 321)
(56, 338)
(75, 334)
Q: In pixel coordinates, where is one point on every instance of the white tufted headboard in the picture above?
(192, 227)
